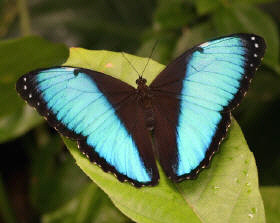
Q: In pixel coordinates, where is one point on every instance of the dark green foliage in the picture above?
(39, 178)
(17, 57)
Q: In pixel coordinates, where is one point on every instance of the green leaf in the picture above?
(114, 64)
(227, 192)
(18, 122)
(119, 24)
(206, 6)
(17, 57)
(193, 36)
(91, 205)
(247, 18)
(271, 200)
(254, 1)
(172, 14)
(264, 91)
(164, 47)
(52, 173)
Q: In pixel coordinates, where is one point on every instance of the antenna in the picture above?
(146, 63)
(151, 54)
(130, 64)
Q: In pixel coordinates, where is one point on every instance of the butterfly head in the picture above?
(142, 89)
(141, 81)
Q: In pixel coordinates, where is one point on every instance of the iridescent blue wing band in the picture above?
(205, 84)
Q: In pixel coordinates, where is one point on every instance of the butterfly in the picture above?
(180, 119)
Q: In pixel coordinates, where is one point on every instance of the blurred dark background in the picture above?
(38, 178)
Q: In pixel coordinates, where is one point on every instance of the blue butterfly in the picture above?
(187, 108)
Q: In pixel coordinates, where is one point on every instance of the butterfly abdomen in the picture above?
(150, 120)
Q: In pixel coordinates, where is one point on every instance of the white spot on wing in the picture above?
(24, 79)
(30, 95)
(256, 45)
(253, 38)
(24, 87)
(255, 55)
(204, 44)
(69, 68)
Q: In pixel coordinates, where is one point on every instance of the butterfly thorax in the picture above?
(144, 98)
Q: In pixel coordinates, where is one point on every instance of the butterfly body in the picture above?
(186, 108)
(145, 100)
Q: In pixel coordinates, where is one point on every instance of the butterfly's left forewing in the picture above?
(99, 112)
(194, 96)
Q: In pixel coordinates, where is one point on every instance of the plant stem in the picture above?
(24, 18)
(5, 208)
